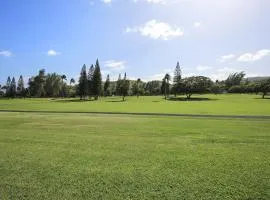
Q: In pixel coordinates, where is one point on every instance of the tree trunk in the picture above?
(263, 95)
(188, 96)
(123, 98)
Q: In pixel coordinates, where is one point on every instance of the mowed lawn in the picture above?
(230, 104)
(80, 156)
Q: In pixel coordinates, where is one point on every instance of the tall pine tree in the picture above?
(118, 85)
(20, 88)
(90, 80)
(124, 87)
(83, 83)
(8, 84)
(107, 86)
(177, 79)
(97, 81)
(13, 88)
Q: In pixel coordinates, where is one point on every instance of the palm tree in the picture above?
(167, 78)
(63, 77)
(72, 81)
(138, 87)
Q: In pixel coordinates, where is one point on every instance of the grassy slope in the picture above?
(220, 104)
(54, 156)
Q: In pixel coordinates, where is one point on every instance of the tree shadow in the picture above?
(71, 100)
(191, 99)
(115, 101)
(262, 98)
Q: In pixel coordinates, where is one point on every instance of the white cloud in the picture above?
(115, 65)
(223, 73)
(157, 30)
(226, 58)
(203, 68)
(106, 1)
(249, 57)
(197, 24)
(53, 53)
(5, 53)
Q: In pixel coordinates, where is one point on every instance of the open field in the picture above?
(77, 156)
(216, 104)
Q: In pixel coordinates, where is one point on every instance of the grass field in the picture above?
(217, 104)
(77, 156)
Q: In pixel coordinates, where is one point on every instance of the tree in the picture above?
(72, 81)
(97, 81)
(153, 88)
(137, 88)
(63, 77)
(20, 88)
(196, 85)
(90, 80)
(118, 85)
(107, 86)
(124, 87)
(265, 87)
(177, 79)
(54, 85)
(13, 88)
(83, 83)
(234, 79)
(165, 87)
(7, 87)
(40, 82)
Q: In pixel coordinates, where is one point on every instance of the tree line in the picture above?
(91, 86)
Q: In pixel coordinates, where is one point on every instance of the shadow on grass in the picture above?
(191, 99)
(71, 100)
(265, 98)
(115, 101)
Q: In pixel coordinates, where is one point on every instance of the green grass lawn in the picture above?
(76, 156)
(217, 104)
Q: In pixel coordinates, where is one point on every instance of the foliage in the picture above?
(265, 87)
(107, 91)
(137, 88)
(177, 84)
(153, 88)
(90, 81)
(196, 85)
(83, 83)
(97, 81)
(234, 79)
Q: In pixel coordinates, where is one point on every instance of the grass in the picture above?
(76, 156)
(206, 104)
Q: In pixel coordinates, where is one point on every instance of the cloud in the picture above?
(226, 58)
(106, 1)
(115, 65)
(203, 68)
(223, 73)
(197, 24)
(157, 30)
(249, 57)
(5, 53)
(53, 53)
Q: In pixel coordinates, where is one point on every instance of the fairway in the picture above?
(201, 104)
(77, 156)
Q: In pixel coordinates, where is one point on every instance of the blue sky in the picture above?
(144, 38)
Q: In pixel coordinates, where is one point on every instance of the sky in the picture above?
(144, 38)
